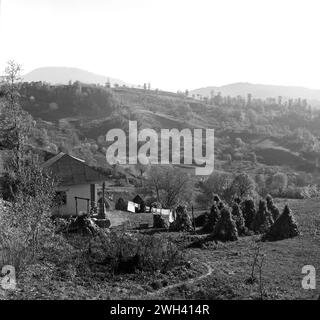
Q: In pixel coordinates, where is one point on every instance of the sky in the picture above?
(173, 44)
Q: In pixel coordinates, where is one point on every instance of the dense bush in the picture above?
(292, 192)
(26, 227)
(127, 253)
(229, 188)
(215, 185)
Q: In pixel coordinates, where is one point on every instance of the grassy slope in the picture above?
(231, 264)
(281, 272)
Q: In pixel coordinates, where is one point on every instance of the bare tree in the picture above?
(169, 185)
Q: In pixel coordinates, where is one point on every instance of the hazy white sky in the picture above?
(174, 44)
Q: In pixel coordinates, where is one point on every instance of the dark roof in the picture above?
(137, 199)
(72, 171)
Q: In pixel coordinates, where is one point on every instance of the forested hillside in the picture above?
(255, 135)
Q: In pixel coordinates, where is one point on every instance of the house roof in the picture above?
(69, 170)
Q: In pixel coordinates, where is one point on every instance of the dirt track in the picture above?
(189, 281)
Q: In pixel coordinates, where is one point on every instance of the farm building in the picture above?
(142, 206)
(78, 184)
(115, 193)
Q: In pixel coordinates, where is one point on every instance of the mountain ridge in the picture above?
(62, 75)
(262, 91)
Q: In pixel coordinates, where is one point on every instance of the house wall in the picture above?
(82, 191)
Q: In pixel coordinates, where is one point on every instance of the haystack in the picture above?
(225, 229)
(211, 219)
(263, 219)
(239, 220)
(248, 212)
(285, 227)
(201, 220)
(84, 225)
(160, 222)
(121, 205)
(272, 208)
(182, 223)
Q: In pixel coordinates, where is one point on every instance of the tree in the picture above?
(170, 186)
(242, 186)
(16, 124)
(260, 180)
(27, 226)
(216, 184)
(141, 168)
(279, 181)
(253, 157)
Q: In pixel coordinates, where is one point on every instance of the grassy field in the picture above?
(281, 273)
(214, 271)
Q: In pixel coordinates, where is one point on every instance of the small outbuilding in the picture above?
(142, 206)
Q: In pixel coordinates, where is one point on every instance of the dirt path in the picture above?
(189, 281)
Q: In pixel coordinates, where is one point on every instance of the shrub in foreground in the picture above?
(128, 253)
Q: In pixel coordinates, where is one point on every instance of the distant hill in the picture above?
(263, 91)
(62, 75)
(76, 121)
